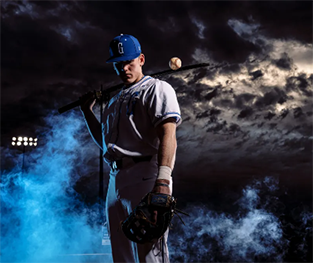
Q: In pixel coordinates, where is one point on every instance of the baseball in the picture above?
(175, 63)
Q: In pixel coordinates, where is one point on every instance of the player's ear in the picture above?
(142, 59)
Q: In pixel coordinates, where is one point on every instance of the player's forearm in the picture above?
(166, 156)
(93, 126)
(167, 150)
(166, 160)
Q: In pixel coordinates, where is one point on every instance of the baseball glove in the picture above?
(138, 226)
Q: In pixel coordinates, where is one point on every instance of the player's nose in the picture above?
(125, 67)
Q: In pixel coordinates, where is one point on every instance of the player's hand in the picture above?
(162, 190)
(87, 101)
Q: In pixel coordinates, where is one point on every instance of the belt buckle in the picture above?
(113, 165)
(116, 165)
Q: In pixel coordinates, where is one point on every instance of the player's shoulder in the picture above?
(157, 85)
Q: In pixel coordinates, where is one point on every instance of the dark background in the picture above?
(244, 157)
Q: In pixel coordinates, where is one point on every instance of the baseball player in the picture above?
(138, 138)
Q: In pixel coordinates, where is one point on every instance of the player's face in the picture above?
(130, 71)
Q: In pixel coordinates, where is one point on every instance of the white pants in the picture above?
(126, 188)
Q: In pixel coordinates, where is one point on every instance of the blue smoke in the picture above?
(253, 233)
(43, 218)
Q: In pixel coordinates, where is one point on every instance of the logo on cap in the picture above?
(120, 48)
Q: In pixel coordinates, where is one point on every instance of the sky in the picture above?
(244, 156)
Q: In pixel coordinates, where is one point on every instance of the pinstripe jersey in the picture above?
(131, 116)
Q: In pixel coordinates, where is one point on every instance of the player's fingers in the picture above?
(87, 100)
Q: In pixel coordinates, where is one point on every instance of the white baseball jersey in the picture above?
(130, 118)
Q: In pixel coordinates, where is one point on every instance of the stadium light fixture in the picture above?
(25, 141)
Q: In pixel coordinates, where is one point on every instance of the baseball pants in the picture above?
(126, 188)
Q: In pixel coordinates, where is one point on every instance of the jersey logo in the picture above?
(120, 48)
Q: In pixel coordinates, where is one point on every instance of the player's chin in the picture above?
(127, 78)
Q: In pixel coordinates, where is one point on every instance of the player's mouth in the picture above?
(127, 76)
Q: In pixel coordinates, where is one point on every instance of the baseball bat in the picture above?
(119, 86)
(69, 106)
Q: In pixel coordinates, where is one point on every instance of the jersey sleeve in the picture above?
(162, 103)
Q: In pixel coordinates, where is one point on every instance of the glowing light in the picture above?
(26, 141)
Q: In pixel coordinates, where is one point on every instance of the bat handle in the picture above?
(97, 95)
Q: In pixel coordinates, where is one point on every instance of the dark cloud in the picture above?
(285, 62)
(247, 112)
(269, 98)
(297, 112)
(293, 17)
(269, 115)
(232, 68)
(200, 74)
(242, 99)
(310, 78)
(256, 74)
(200, 91)
(301, 82)
(223, 50)
(212, 94)
(284, 113)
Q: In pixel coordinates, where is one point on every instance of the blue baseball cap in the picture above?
(124, 47)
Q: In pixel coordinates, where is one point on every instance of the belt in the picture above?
(122, 163)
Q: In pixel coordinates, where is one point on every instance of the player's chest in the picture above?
(125, 103)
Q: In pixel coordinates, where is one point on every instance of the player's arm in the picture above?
(166, 155)
(93, 125)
